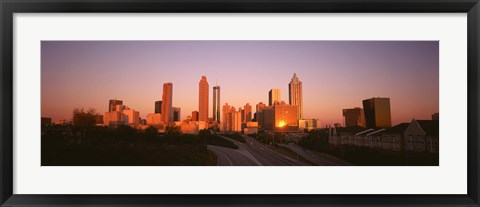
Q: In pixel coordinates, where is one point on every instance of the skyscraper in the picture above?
(203, 99)
(247, 113)
(259, 116)
(158, 107)
(236, 120)
(216, 103)
(295, 94)
(167, 112)
(113, 103)
(176, 113)
(225, 117)
(354, 117)
(274, 96)
(377, 113)
(260, 106)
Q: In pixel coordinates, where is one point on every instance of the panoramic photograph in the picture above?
(239, 103)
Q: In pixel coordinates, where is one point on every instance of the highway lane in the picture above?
(231, 157)
(267, 152)
(316, 157)
(263, 153)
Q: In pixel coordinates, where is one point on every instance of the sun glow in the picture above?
(281, 123)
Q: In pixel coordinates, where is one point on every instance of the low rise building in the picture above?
(308, 124)
(418, 136)
(154, 119)
(251, 128)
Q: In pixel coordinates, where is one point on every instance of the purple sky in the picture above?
(335, 74)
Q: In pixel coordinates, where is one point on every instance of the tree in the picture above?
(151, 131)
(84, 119)
(172, 131)
(204, 133)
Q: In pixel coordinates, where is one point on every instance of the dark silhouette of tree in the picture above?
(83, 120)
(172, 131)
(204, 133)
(151, 131)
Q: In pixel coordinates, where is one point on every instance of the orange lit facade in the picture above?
(167, 112)
(247, 114)
(354, 117)
(274, 96)
(295, 95)
(286, 117)
(203, 99)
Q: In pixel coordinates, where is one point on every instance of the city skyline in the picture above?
(406, 72)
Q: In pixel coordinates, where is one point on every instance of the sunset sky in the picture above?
(335, 75)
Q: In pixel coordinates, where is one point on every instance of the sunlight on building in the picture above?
(281, 123)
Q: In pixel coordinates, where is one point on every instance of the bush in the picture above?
(236, 136)
(316, 140)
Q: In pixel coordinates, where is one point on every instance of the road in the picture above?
(231, 157)
(266, 154)
(252, 152)
(316, 157)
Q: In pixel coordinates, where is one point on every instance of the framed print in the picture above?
(239, 103)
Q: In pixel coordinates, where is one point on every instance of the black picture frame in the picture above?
(9, 7)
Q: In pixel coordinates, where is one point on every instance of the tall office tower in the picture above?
(242, 114)
(236, 121)
(295, 94)
(377, 113)
(274, 96)
(194, 115)
(167, 112)
(259, 116)
(203, 99)
(247, 113)
(158, 107)
(225, 112)
(216, 103)
(354, 117)
(113, 103)
(176, 113)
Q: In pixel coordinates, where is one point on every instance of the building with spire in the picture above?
(295, 95)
